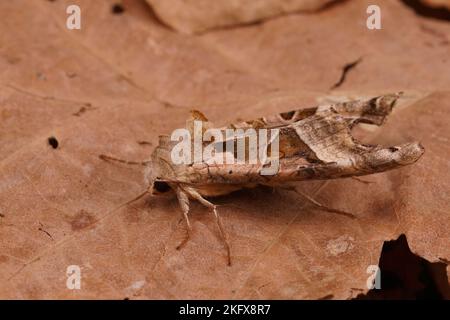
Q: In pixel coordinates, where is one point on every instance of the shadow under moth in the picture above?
(312, 144)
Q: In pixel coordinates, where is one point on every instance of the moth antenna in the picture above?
(108, 158)
(135, 199)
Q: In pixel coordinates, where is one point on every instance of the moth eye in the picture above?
(161, 186)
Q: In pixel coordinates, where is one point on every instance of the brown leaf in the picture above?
(195, 16)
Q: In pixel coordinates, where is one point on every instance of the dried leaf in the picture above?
(195, 16)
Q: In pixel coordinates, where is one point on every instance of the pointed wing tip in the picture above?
(382, 107)
(411, 152)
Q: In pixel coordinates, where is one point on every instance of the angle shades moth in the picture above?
(314, 144)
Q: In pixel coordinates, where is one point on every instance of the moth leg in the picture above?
(194, 194)
(318, 204)
(108, 158)
(373, 111)
(183, 200)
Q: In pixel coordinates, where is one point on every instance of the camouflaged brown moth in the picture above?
(313, 144)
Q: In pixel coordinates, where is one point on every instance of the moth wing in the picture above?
(315, 143)
(372, 111)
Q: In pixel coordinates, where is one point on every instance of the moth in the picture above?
(313, 144)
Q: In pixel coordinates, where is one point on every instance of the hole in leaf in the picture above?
(405, 275)
(53, 142)
(117, 8)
